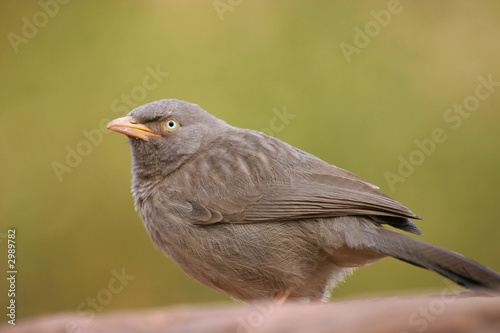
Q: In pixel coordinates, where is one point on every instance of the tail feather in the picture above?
(451, 265)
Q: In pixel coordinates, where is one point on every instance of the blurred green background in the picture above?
(239, 60)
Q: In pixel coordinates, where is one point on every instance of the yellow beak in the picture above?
(130, 127)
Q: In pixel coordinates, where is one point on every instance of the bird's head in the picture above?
(163, 134)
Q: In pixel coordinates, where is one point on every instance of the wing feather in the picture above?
(283, 183)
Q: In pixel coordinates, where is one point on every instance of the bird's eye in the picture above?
(171, 125)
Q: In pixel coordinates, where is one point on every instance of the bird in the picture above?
(251, 216)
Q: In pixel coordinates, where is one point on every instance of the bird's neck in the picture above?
(147, 174)
(156, 169)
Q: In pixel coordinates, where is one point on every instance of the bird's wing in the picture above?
(304, 187)
(323, 195)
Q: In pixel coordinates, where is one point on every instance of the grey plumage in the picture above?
(252, 216)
